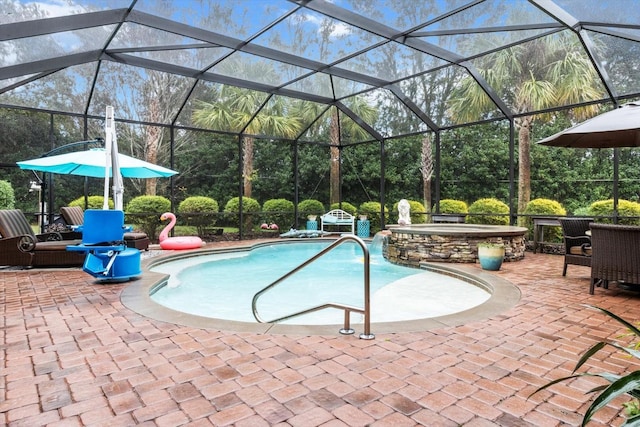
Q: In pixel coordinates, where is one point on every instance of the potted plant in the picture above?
(490, 255)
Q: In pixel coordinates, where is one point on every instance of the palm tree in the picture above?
(235, 111)
(540, 74)
(332, 127)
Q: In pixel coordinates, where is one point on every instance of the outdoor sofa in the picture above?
(20, 246)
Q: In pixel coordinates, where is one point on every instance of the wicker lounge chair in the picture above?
(577, 245)
(20, 246)
(74, 215)
(616, 256)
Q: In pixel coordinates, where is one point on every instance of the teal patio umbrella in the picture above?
(97, 163)
(92, 163)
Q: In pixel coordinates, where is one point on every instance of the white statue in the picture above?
(404, 209)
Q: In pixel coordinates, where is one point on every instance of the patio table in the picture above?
(539, 222)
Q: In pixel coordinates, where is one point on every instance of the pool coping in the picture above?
(137, 297)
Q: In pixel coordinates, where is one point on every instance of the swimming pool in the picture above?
(137, 295)
(223, 285)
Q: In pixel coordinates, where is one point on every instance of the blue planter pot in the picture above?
(490, 257)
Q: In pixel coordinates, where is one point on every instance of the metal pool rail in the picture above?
(346, 329)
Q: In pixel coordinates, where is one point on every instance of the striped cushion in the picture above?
(13, 223)
(72, 215)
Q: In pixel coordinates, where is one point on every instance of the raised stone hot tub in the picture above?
(413, 244)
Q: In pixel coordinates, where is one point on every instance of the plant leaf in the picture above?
(632, 421)
(631, 351)
(631, 327)
(556, 381)
(608, 376)
(587, 354)
(598, 388)
(623, 385)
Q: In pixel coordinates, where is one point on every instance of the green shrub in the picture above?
(584, 211)
(250, 211)
(372, 211)
(346, 206)
(488, 212)
(279, 212)
(545, 207)
(417, 212)
(625, 208)
(145, 211)
(200, 212)
(7, 195)
(451, 206)
(310, 207)
(93, 202)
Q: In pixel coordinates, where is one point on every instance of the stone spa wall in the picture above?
(455, 243)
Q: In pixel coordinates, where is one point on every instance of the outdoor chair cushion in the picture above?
(13, 223)
(72, 215)
(580, 250)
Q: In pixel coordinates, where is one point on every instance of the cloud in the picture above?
(338, 30)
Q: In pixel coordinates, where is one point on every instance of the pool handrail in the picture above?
(366, 311)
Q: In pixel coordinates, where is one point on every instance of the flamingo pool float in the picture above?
(181, 242)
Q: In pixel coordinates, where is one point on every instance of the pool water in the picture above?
(223, 285)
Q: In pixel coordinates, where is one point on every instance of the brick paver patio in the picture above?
(74, 355)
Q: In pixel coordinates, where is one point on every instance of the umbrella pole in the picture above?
(107, 149)
(113, 162)
(616, 164)
(43, 190)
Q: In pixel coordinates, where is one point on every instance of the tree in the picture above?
(244, 111)
(337, 128)
(536, 75)
(208, 167)
(473, 163)
(426, 169)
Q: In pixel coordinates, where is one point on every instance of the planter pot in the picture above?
(490, 257)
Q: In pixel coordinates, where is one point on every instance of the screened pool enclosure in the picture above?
(341, 100)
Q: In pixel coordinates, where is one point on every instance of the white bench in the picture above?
(337, 217)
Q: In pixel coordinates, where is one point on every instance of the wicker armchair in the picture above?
(74, 215)
(616, 255)
(577, 245)
(20, 246)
